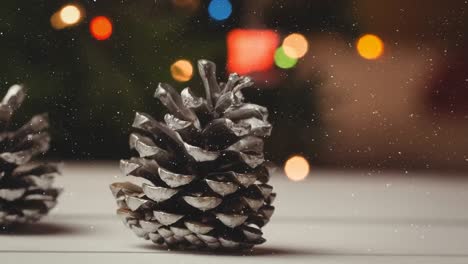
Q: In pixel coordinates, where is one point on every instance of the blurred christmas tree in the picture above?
(91, 88)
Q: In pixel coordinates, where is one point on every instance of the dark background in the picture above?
(91, 89)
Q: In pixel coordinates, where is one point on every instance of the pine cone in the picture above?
(26, 192)
(205, 169)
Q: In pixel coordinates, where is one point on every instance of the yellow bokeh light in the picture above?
(67, 16)
(70, 14)
(370, 47)
(297, 168)
(295, 46)
(182, 70)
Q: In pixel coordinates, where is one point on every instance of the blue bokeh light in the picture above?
(220, 9)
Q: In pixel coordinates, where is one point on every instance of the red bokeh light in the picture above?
(101, 27)
(251, 50)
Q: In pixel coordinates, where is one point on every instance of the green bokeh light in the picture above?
(282, 60)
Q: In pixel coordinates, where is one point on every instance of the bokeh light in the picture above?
(182, 70)
(101, 27)
(67, 16)
(370, 47)
(295, 46)
(220, 9)
(251, 50)
(296, 168)
(70, 14)
(282, 60)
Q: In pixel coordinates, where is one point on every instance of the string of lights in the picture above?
(249, 50)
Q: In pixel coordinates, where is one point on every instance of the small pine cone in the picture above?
(26, 191)
(205, 168)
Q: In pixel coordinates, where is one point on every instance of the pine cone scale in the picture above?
(12, 194)
(203, 203)
(158, 194)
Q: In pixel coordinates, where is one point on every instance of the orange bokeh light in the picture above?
(370, 47)
(101, 28)
(297, 168)
(251, 50)
(295, 46)
(182, 70)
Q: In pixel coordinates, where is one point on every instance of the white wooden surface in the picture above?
(332, 217)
